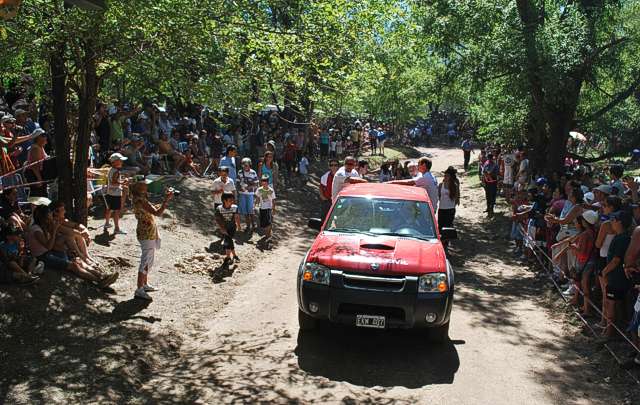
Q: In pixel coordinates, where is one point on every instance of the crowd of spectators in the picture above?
(585, 220)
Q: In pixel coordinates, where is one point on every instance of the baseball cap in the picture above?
(589, 197)
(37, 132)
(112, 110)
(39, 201)
(590, 216)
(603, 188)
(541, 181)
(622, 216)
(264, 177)
(20, 111)
(117, 156)
(8, 118)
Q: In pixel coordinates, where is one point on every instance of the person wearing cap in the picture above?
(146, 233)
(116, 193)
(617, 282)
(221, 185)
(583, 247)
(247, 186)
(35, 165)
(265, 197)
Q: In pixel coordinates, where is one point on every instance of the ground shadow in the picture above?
(377, 358)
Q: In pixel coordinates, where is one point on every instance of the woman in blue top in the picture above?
(268, 167)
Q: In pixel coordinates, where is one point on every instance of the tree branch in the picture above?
(622, 96)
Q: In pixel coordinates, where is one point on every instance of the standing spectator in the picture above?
(102, 127)
(617, 186)
(617, 282)
(289, 160)
(333, 145)
(265, 200)
(449, 198)
(490, 179)
(247, 185)
(35, 173)
(424, 179)
(116, 194)
(467, 148)
(269, 168)
(303, 169)
(230, 161)
(508, 160)
(147, 235)
(324, 144)
(326, 187)
(222, 185)
(346, 174)
(381, 138)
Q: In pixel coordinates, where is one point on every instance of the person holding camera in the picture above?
(147, 234)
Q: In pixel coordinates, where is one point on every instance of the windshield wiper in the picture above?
(404, 235)
(349, 230)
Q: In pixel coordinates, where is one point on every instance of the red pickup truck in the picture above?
(378, 262)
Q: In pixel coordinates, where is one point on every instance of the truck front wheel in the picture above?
(306, 322)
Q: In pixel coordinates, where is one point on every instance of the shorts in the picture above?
(55, 260)
(616, 293)
(580, 269)
(265, 218)
(148, 254)
(227, 240)
(516, 231)
(245, 204)
(114, 202)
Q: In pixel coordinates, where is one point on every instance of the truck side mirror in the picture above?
(315, 223)
(447, 234)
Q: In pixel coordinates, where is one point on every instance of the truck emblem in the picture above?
(375, 266)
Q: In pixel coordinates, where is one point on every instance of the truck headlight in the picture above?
(433, 282)
(316, 273)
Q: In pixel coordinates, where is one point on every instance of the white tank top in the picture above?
(604, 250)
(446, 202)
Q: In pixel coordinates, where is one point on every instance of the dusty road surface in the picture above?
(215, 335)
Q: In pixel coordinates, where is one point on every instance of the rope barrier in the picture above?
(540, 256)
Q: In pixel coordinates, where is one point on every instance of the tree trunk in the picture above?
(87, 105)
(61, 133)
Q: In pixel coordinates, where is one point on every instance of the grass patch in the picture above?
(397, 152)
(472, 176)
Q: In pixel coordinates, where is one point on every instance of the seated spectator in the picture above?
(166, 148)
(46, 245)
(21, 269)
(135, 162)
(10, 209)
(76, 235)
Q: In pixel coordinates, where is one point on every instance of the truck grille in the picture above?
(378, 283)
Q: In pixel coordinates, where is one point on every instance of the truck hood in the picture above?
(387, 255)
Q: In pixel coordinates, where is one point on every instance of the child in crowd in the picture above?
(520, 208)
(583, 246)
(221, 185)
(265, 201)
(303, 169)
(23, 269)
(333, 145)
(339, 148)
(116, 194)
(228, 221)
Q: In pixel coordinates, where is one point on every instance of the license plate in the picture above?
(370, 321)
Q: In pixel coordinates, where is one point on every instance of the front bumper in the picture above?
(399, 303)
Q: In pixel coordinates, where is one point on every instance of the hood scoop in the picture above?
(386, 245)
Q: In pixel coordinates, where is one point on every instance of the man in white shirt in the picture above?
(347, 174)
(508, 161)
(424, 179)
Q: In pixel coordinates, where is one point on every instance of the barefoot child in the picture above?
(228, 221)
(23, 269)
(265, 201)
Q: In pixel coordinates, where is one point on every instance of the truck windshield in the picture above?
(381, 216)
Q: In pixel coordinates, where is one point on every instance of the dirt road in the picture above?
(218, 336)
(504, 347)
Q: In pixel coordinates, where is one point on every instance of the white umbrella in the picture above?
(577, 136)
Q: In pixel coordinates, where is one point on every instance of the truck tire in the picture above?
(306, 322)
(440, 334)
